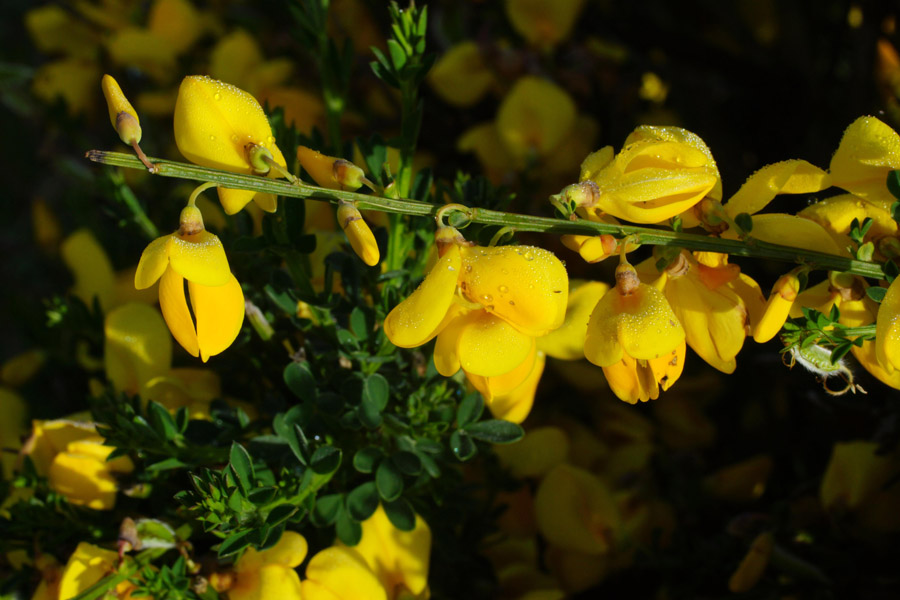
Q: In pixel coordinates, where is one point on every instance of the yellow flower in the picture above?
(534, 117)
(855, 473)
(269, 573)
(137, 347)
(859, 312)
(486, 306)
(713, 315)
(741, 482)
(887, 328)
(659, 173)
(194, 254)
(358, 234)
(194, 389)
(71, 79)
(785, 177)
(399, 559)
(73, 458)
(339, 573)
(85, 567)
(567, 341)
(868, 151)
(753, 565)
(782, 297)
(543, 23)
(537, 453)
(460, 76)
(576, 510)
(221, 126)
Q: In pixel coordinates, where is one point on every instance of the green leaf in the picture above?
(876, 293)
(470, 409)
(398, 55)
(159, 418)
(893, 186)
(325, 460)
(262, 495)
(280, 514)
(408, 463)
(401, 514)
(242, 466)
(154, 533)
(326, 511)
(462, 445)
(330, 402)
(866, 251)
(358, 324)
(496, 431)
(348, 530)
(376, 391)
(388, 480)
(369, 415)
(430, 466)
(237, 542)
(300, 380)
(347, 339)
(365, 458)
(744, 221)
(166, 465)
(362, 501)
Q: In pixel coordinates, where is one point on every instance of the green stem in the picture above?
(644, 235)
(137, 211)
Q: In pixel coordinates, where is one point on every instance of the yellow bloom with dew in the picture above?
(868, 151)
(221, 126)
(269, 573)
(195, 255)
(836, 215)
(73, 458)
(785, 177)
(543, 23)
(713, 315)
(887, 328)
(399, 559)
(635, 381)
(460, 76)
(486, 306)
(511, 396)
(659, 173)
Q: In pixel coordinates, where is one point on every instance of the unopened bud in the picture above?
(349, 176)
(447, 236)
(258, 321)
(627, 280)
(122, 115)
(784, 292)
(191, 221)
(592, 248)
(358, 233)
(330, 172)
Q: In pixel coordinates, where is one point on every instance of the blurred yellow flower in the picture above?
(221, 126)
(73, 458)
(195, 255)
(137, 347)
(855, 473)
(543, 23)
(753, 564)
(12, 426)
(868, 151)
(339, 573)
(269, 573)
(460, 76)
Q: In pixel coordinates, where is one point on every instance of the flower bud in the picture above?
(784, 292)
(358, 234)
(122, 115)
(330, 172)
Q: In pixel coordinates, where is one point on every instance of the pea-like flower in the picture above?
(486, 306)
(221, 126)
(634, 335)
(195, 255)
(659, 173)
(887, 329)
(266, 574)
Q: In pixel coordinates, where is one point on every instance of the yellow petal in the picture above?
(72, 79)
(234, 200)
(400, 559)
(137, 346)
(887, 328)
(199, 258)
(784, 292)
(153, 263)
(525, 286)
(52, 437)
(567, 342)
(786, 177)
(631, 382)
(576, 510)
(53, 29)
(651, 195)
(319, 166)
(91, 268)
(535, 454)
(143, 49)
(83, 480)
(358, 234)
(446, 357)
(175, 311)
(503, 385)
(836, 215)
(490, 346)
(235, 57)
(543, 23)
(177, 22)
(342, 573)
(214, 121)
(534, 117)
(595, 162)
(417, 319)
(269, 581)
(485, 141)
(219, 312)
(778, 228)
(85, 567)
(641, 324)
(869, 149)
(459, 76)
(288, 552)
(667, 368)
(516, 405)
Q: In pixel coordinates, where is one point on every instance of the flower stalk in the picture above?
(643, 235)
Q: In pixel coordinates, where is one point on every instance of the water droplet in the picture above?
(468, 268)
(217, 96)
(502, 289)
(212, 138)
(487, 298)
(529, 255)
(270, 140)
(234, 138)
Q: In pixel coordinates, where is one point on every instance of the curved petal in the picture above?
(220, 313)
(175, 311)
(490, 346)
(154, 260)
(516, 405)
(91, 268)
(446, 358)
(525, 286)
(85, 567)
(344, 574)
(137, 346)
(651, 195)
(418, 318)
(631, 382)
(868, 150)
(398, 558)
(83, 480)
(234, 200)
(776, 228)
(502, 385)
(534, 117)
(199, 258)
(887, 328)
(267, 202)
(601, 344)
(269, 581)
(567, 341)
(785, 177)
